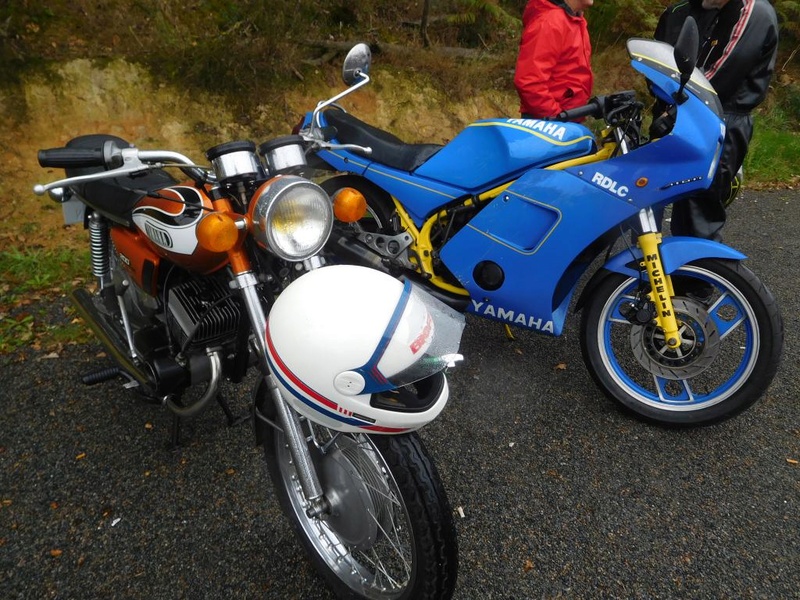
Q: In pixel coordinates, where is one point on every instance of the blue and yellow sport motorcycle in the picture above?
(504, 220)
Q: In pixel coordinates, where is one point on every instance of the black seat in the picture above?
(114, 198)
(387, 149)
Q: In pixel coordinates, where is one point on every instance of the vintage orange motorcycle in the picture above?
(203, 280)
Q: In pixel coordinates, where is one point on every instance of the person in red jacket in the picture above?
(554, 70)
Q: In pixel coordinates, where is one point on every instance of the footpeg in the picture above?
(100, 376)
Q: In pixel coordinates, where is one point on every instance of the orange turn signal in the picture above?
(217, 232)
(349, 205)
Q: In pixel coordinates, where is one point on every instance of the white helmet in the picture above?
(346, 342)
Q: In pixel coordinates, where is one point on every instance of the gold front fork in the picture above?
(661, 291)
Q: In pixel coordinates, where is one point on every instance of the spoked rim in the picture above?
(367, 542)
(718, 355)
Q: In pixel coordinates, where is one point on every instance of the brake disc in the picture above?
(699, 347)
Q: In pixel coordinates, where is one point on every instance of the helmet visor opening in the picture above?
(414, 397)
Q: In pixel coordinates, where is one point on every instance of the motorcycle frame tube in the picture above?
(423, 248)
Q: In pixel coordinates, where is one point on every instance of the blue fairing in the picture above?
(420, 197)
(494, 151)
(534, 231)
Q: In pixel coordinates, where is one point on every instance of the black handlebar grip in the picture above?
(71, 158)
(593, 109)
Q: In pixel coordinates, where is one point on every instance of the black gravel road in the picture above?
(556, 493)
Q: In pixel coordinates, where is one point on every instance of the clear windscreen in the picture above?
(660, 56)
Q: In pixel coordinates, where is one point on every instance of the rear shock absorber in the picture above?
(99, 244)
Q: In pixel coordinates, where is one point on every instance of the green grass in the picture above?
(38, 269)
(774, 154)
(28, 277)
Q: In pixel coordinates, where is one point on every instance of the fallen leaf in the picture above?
(55, 553)
(527, 566)
(792, 461)
(561, 367)
(81, 456)
(230, 471)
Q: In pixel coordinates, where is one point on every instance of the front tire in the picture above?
(732, 344)
(390, 534)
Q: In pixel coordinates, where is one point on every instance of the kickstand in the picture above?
(233, 420)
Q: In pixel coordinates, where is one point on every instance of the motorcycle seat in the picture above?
(114, 198)
(387, 149)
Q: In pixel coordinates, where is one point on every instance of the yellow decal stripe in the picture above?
(530, 131)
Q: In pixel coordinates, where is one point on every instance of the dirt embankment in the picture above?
(122, 99)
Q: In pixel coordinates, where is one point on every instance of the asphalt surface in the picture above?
(562, 495)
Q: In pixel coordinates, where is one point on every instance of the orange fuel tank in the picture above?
(169, 222)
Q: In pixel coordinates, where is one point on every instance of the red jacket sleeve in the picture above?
(538, 55)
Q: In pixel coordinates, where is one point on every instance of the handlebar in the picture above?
(117, 162)
(601, 107)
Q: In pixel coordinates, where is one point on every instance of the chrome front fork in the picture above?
(287, 417)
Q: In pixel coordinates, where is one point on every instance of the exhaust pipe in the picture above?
(108, 335)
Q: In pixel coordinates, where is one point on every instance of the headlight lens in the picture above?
(292, 217)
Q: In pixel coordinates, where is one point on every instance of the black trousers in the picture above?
(703, 214)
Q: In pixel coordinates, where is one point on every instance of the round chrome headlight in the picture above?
(292, 217)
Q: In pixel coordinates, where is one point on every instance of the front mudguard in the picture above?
(675, 252)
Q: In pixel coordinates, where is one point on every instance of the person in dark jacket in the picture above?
(738, 46)
(553, 71)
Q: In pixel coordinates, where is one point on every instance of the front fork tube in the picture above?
(661, 290)
(312, 489)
